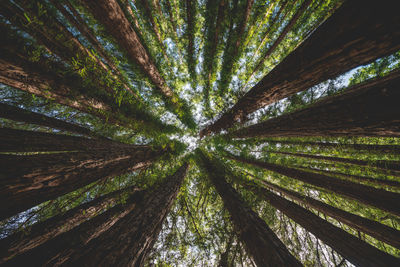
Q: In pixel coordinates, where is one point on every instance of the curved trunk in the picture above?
(30, 180)
(368, 109)
(353, 249)
(379, 198)
(356, 34)
(259, 240)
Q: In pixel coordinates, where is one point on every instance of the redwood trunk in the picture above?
(259, 240)
(353, 249)
(30, 180)
(379, 198)
(375, 229)
(356, 34)
(42, 232)
(369, 109)
(19, 114)
(392, 165)
(130, 240)
(13, 140)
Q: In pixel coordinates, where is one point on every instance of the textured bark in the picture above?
(19, 114)
(66, 243)
(375, 229)
(283, 34)
(131, 239)
(111, 15)
(369, 109)
(259, 240)
(391, 165)
(356, 34)
(30, 180)
(66, 89)
(381, 182)
(392, 149)
(353, 249)
(13, 140)
(42, 232)
(379, 198)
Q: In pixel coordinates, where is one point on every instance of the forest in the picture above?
(199, 133)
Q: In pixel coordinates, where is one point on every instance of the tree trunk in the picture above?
(356, 34)
(377, 181)
(369, 109)
(65, 244)
(13, 140)
(130, 240)
(391, 165)
(391, 149)
(375, 229)
(19, 114)
(30, 180)
(111, 15)
(353, 249)
(379, 198)
(259, 240)
(42, 232)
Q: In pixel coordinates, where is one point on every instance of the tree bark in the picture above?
(375, 229)
(391, 165)
(42, 232)
(356, 34)
(19, 114)
(387, 183)
(65, 244)
(13, 140)
(379, 198)
(353, 249)
(369, 109)
(259, 240)
(110, 14)
(30, 180)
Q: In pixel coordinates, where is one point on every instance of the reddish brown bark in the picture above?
(379, 198)
(387, 183)
(353, 249)
(42, 232)
(375, 229)
(13, 140)
(19, 114)
(130, 240)
(392, 165)
(356, 34)
(66, 243)
(259, 240)
(368, 109)
(30, 180)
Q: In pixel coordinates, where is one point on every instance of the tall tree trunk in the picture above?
(368, 109)
(379, 198)
(356, 34)
(131, 239)
(49, 253)
(283, 34)
(392, 165)
(353, 249)
(19, 114)
(111, 15)
(30, 180)
(42, 232)
(392, 149)
(13, 140)
(375, 229)
(259, 240)
(191, 10)
(68, 89)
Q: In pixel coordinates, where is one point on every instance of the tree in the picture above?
(322, 56)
